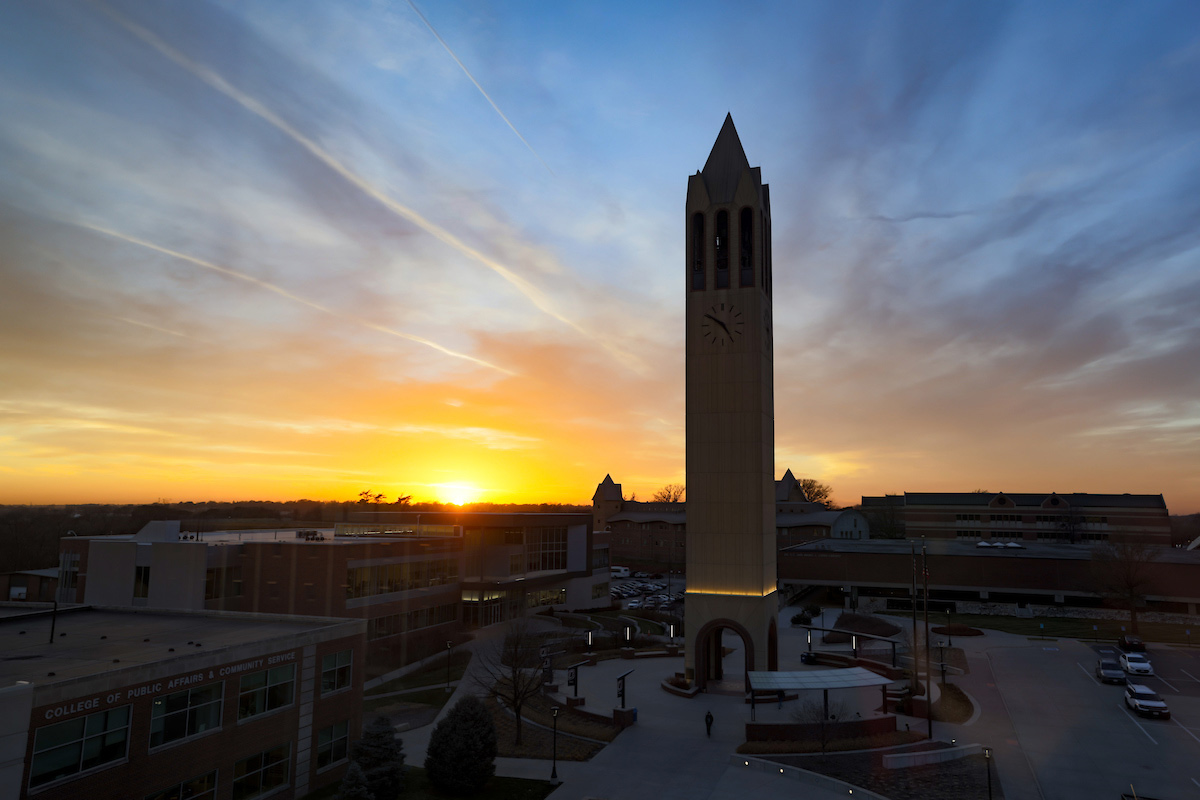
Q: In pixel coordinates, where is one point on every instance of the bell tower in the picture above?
(731, 542)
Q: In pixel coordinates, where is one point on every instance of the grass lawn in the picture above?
(435, 697)
(430, 676)
(417, 787)
(538, 742)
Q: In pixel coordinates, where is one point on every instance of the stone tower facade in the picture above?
(730, 413)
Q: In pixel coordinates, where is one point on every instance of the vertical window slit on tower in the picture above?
(698, 244)
(721, 248)
(746, 250)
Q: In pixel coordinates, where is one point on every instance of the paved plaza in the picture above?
(1055, 732)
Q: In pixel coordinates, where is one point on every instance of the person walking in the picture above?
(708, 720)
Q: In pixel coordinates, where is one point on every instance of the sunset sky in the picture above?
(273, 250)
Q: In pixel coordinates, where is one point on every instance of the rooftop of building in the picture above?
(91, 641)
(955, 547)
(1020, 499)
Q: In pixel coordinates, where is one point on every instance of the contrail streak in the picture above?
(270, 287)
(486, 96)
(247, 102)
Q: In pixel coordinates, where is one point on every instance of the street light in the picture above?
(987, 760)
(554, 757)
(449, 644)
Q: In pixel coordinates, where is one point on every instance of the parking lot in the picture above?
(649, 592)
(1073, 737)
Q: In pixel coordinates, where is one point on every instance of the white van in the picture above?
(618, 572)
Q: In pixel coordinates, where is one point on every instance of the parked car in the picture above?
(1131, 644)
(1145, 701)
(641, 574)
(634, 604)
(1136, 664)
(1108, 671)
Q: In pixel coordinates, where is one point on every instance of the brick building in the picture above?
(1002, 516)
(156, 705)
(417, 579)
(1041, 573)
(654, 535)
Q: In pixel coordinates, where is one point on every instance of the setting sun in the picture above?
(456, 493)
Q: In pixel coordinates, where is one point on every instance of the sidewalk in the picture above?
(666, 754)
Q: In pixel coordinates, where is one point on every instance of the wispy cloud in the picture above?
(483, 92)
(256, 107)
(279, 290)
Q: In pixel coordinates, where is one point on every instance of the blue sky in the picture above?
(266, 249)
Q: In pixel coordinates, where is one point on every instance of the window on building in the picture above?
(187, 713)
(222, 582)
(600, 558)
(698, 247)
(599, 590)
(141, 581)
(721, 248)
(546, 548)
(68, 572)
(514, 536)
(203, 787)
(746, 248)
(261, 773)
(335, 671)
(79, 744)
(332, 744)
(514, 563)
(265, 691)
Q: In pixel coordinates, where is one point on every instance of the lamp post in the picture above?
(554, 751)
(449, 644)
(987, 760)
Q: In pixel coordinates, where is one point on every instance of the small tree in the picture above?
(354, 784)
(381, 756)
(815, 491)
(1121, 573)
(461, 756)
(510, 670)
(671, 493)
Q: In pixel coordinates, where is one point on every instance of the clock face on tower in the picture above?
(722, 324)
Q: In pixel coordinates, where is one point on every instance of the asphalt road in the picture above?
(1069, 736)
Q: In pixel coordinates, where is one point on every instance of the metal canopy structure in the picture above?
(847, 678)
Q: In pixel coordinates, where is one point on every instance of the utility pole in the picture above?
(916, 660)
(928, 671)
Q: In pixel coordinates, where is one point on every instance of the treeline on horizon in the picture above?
(29, 534)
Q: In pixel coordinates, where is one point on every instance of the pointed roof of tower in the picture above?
(725, 164)
(607, 490)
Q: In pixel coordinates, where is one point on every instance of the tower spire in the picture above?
(725, 164)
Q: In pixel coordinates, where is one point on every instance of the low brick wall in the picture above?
(919, 758)
(801, 731)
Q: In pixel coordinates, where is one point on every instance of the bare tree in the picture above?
(815, 491)
(511, 668)
(671, 493)
(810, 711)
(1121, 573)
